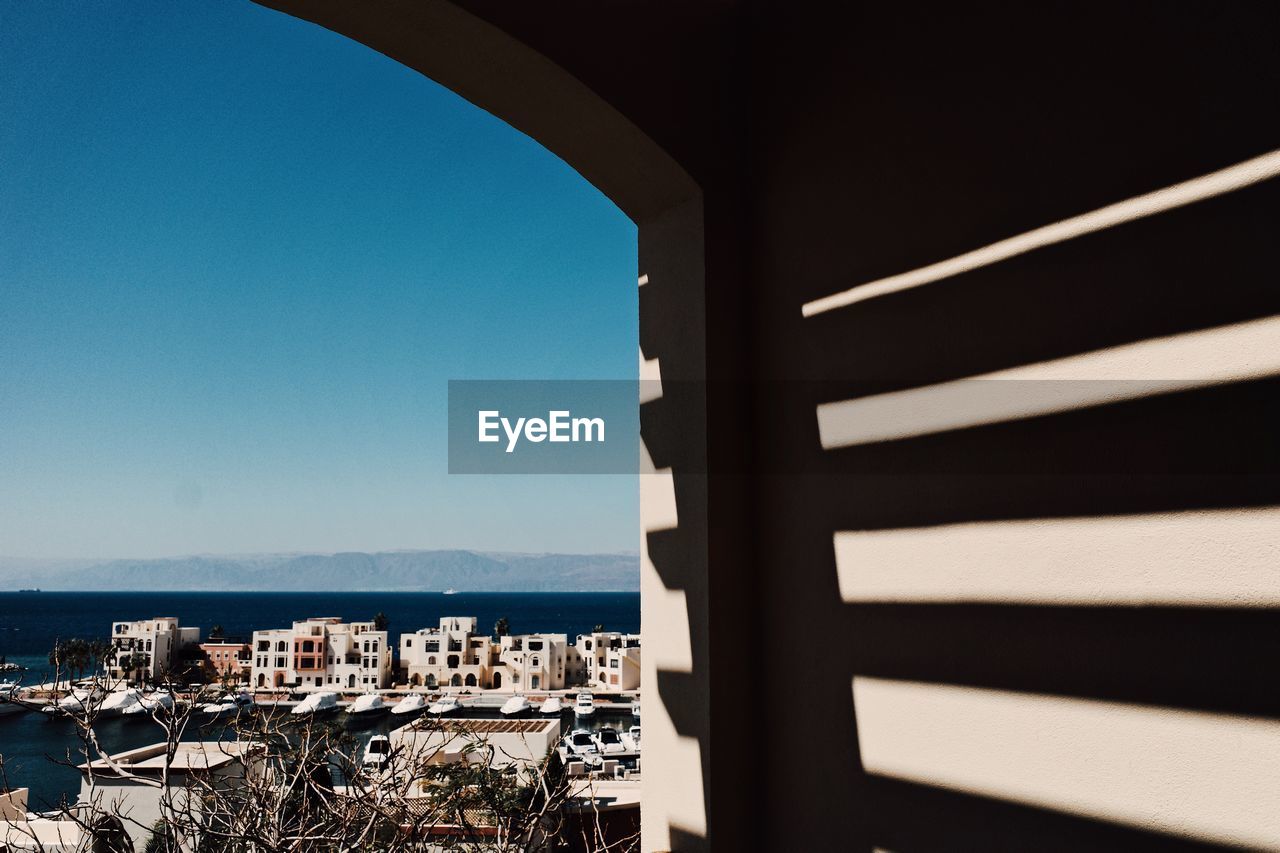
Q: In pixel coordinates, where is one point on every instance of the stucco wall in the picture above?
(1045, 624)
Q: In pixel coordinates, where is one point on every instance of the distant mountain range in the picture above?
(469, 571)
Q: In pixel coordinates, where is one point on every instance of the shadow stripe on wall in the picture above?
(1190, 774)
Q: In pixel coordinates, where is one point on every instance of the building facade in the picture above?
(320, 653)
(609, 660)
(453, 654)
(456, 655)
(149, 648)
(230, 658)
(530, 662)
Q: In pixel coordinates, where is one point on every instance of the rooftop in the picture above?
(187, 755)
(484, 727)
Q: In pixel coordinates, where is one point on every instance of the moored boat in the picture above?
(149, 706)
(585, 705)
(119, 701)
(376, 754)
(228, 706)
(316, 703)
(8, 699)
(444, 706)
(367, 705)
(74, 702)
(515, 706)
(608, 741)
(552, 705)
(414, 703)
(580, 742)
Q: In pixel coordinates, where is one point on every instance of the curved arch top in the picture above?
(509, 79)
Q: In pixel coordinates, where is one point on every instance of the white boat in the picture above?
(219, 709)
(443, 706)
(228, 706)
(316, 703)
(411, 704)
(608, 741)
(553, 705)
(580, 742)
(376, 754)
(632, 739)
(74, 702)
(119, 701)
(450, 591)
(585, 706)
(515, 706)
(368, 705)
(635, 709)
(8, 703)
(150, 705)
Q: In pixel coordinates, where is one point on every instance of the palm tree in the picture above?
(72, 656)
(380, 621)
(502, 627)
(215, 632)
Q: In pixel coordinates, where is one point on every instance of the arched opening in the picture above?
(553, 108)
(470, 680)
(535, 682)
(279, 679)
(456, 681)
(415, 680)
(351, 680)
(431, 661)
(262, 679)
(431, 679)
(497, 680)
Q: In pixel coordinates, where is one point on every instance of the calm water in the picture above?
(31, 622)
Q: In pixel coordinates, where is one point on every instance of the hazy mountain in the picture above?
(388, 570)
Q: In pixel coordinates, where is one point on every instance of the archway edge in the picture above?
(510, 80)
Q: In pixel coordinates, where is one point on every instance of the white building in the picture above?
(522, 744)
(152, 646)
(607, 659)
(453, 654)
(133, 783)
(23, 830)
(456, 655)
(322, 653)
(528, 662)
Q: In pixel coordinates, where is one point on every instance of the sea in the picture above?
(34, 750)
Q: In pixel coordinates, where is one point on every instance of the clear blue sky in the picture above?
(240, 257)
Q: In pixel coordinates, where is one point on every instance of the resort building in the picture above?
(322, 652)
(149, 648)
(230, 658)
(456, 655)
(609, 659)
(531, 662)
(453, 654)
